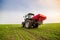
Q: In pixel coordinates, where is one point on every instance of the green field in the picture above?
(44, 32)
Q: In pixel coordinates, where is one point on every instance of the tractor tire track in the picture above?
(30, 35)
(40, 37)
(24, 34)
(10, 35)
(20, 37)
(37, 37)
(17, 35)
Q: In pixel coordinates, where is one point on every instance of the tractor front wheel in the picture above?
(23, 24)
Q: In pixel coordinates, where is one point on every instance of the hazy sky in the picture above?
(12, 11)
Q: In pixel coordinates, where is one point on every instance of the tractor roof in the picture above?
(30, 14)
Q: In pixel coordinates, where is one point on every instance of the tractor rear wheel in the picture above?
(35, 25)
(28, 24)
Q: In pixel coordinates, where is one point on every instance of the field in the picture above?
(44, 32)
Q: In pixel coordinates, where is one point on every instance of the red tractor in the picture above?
(32, 21)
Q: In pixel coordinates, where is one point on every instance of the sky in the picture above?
(12, 11)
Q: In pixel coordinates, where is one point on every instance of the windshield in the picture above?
(30, 16)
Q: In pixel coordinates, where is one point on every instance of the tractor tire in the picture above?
(23, 24)
(35, 25)
(28, 24)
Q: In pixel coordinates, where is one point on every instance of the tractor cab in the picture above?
(29, 16)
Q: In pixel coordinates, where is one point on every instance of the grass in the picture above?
(44, 32)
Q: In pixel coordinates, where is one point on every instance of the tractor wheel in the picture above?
(35, 25)
(28, 24)
(23, 24)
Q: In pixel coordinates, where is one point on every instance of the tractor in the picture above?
(29, 22)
